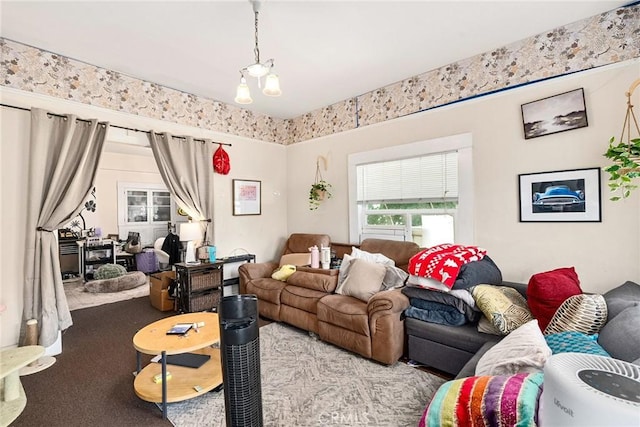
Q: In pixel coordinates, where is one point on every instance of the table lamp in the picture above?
(190, 231)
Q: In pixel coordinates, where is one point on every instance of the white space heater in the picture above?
(588, 390)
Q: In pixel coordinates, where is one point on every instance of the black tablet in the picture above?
(180, 329)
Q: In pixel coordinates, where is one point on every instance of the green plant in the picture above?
(110, 271)
(318, 192)
(625, 168)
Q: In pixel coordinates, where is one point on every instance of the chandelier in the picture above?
(257, 70)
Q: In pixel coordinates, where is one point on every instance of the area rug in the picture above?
(78, 298)
(307, 382)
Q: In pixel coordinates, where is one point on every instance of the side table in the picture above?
(185, 383)
(14, 399)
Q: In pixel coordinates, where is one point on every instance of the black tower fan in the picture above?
(240, 350)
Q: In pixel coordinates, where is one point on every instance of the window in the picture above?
(418, 192)
(145, 208)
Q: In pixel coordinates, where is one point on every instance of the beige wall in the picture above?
(604, 254)
(250, 159)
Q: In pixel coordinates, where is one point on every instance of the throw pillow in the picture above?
(283, 272)
(620, 337)
(109, 271)
(503, 306)
(297, 259)
(575, 342)
(368, 256)
(523, 350)
(498, 401)
(475, 273)
(581, 313)
(547, 291)
(486, 327)
(394, 277)
(625, 295)
(364, 279)
(344, 270)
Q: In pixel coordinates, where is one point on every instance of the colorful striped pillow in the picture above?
(496, 401)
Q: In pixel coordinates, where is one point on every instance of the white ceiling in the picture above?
(324, 51)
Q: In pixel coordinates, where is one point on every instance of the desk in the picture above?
(153, 339)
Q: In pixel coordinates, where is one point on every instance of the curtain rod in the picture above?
(117, 126)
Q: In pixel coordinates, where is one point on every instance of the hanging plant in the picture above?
(625, 169)
(625, 155)
(319, 189)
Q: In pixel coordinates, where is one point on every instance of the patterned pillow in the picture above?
(489, 400)
(580, 313)
(575, 342)
(503, 306)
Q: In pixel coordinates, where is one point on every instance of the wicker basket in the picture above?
(205, 280)
(203, 301)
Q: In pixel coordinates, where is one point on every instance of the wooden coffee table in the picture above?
(185, 383)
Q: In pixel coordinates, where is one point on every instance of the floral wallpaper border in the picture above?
(593, 42)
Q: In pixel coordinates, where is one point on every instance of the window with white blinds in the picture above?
(429, 178)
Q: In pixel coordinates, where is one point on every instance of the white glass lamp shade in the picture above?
(258, 70)
(272, 86)
(189, 232)
(243, 95)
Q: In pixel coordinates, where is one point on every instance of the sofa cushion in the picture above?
(505, 308)
(575, 342)
(548, 290)
(581, 313)
(266, 289)
(316, 281)
(364, 279)
(345, 311)
(487, 400)
(301, 298)
(523, 350)
(301, 242)
(620, 337)
(625, 295)
(464, 337)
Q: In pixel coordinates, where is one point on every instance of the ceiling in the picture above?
(324, 51)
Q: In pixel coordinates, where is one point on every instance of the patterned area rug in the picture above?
(306, 382)
(78, 298)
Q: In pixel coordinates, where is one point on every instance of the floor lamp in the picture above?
(189, 232)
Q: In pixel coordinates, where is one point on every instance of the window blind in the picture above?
(429, 178)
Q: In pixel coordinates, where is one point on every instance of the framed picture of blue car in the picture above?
(560, 196)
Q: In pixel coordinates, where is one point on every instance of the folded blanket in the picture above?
(446, 298)
(443, 262)
(434, 312)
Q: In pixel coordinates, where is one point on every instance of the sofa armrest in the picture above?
(469, 369)
(251, 270)
(392, 301)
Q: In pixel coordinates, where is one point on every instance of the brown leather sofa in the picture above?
(373, 329)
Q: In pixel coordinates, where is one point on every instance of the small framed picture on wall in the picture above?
(554, 114)
(247, 197)
(560, 196)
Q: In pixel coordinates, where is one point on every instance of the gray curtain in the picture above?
(187, 170)
(63, 159)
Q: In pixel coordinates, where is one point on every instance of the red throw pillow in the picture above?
(547, 291)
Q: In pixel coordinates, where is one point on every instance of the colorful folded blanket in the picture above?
(443, 262)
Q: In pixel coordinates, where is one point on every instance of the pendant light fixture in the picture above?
(257, 70)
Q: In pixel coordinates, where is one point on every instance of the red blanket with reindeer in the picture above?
(443, 262)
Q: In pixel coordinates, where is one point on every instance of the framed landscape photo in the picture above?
(554, 114)
(247, 197)
(561, 196)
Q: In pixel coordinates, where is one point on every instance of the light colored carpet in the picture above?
(306, 382)
(78, 298)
